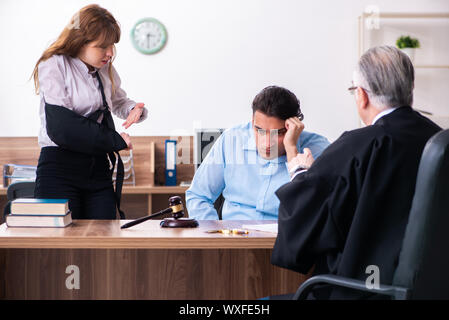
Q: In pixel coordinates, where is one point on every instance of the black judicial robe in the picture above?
(350, 209)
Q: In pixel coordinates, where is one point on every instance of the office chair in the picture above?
(424, 258)
(218, 205)
(18, 190)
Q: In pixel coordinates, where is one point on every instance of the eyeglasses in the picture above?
(352, 88)
(273, 132)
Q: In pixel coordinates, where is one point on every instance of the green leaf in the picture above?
(407, 42)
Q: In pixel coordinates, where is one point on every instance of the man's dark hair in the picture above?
(277, 102)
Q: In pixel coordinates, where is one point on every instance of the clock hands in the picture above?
(148, 36)
(148, 39)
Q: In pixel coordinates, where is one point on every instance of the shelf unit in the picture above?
(147, 196)
(390, 15)
(432, 67)
(362, 19)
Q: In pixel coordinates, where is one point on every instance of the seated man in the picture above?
(247, 164)
(354, 202)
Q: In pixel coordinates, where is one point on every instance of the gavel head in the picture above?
(175, 203)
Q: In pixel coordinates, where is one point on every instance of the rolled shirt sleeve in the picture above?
(315, 142)
(207, 185)
(121, 104)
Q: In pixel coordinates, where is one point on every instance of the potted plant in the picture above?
(408, 45)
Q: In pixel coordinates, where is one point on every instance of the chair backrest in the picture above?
(18, 190)
(218, 205)
(424, 260)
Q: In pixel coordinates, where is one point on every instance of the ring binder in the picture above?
(170, 162)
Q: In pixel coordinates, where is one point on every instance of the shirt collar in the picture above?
(382, 114)
(81, 65)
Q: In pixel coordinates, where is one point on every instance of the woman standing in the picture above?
(79, 88)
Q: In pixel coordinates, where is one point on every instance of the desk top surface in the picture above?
(139, 189)
(106, 234)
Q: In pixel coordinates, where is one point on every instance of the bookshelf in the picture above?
(432, 59)
(147, 196)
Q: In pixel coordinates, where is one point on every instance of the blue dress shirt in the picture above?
(248, 182)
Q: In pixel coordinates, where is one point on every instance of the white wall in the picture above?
(219, 55)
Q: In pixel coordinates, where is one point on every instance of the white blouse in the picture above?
(67, 82)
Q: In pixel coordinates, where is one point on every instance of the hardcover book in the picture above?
(13, 220)
(28, 206)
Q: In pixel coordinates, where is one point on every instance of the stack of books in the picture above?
(28, 212)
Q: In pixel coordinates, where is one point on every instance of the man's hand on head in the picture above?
(294, 128)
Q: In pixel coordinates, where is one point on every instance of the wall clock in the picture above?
(148, 36)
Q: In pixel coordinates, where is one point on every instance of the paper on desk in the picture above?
(271, 227)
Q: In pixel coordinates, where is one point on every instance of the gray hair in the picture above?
(388, 75)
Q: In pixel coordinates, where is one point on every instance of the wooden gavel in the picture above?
(175, 207)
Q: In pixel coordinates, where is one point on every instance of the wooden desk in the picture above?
(142, 262)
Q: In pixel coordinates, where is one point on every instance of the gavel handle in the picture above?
(140, 220)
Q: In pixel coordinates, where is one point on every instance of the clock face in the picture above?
(148, 36)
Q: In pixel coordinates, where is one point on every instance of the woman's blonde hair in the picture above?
(91, 23)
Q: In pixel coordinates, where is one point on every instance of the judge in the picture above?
(348, 209)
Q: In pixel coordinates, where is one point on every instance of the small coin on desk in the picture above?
(228, 231)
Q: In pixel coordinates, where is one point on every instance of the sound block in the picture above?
(179, 223)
